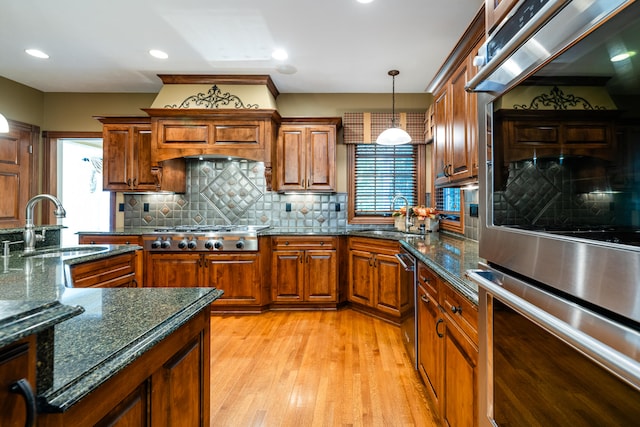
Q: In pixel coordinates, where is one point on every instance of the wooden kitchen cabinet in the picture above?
(117, 271)
(17, 363)
(306, 155)
(447, 348)
(166, 386)
(109, 239)
(238, 274)
(304, 271)
(495, 11)
(374, 279)
(127, 164)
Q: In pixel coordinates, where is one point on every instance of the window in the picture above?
(377, 174)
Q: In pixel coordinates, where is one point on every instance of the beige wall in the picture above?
(73, 112)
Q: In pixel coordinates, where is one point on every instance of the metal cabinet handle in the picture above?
(286, 243)
(455, 309)
(23, 388)
(321, 243)
(425, 279)
(424, 299)
(437, 325)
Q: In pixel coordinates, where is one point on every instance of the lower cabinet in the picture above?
(374, 279)
(117, 271)
(238, 274)
(447, 349)
(17, 382)
(304, 271)
(117, 239)
(166, 386)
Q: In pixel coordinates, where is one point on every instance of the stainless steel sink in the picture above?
(65, 252)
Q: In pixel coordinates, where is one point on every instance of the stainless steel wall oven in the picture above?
(559, 101)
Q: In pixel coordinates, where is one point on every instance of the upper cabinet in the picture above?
(455, 113)
(127, 164)
(495, 10)
(306, 154)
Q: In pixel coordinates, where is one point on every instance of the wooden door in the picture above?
(179, 392)
(460, 406)
(387, 284)
(15, 173)
(166, 270)
(361, 277)
(291, 158)
(237, 274)
(141, 152)
(321, 158)
(321, 281)
(116, 142)
(461, 125)
(440, 138)
(287, 275)
(430, 344)
(17, 362)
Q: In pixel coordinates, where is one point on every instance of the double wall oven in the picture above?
(559, 296)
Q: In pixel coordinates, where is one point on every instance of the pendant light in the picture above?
(4, 124)
(394, 135)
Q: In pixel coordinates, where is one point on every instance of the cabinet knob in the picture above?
(455, 309)
(321, 243)
(286, 243)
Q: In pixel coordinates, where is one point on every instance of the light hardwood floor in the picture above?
(317, 368)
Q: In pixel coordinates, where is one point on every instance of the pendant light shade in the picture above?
(4, 124)
(394, 135)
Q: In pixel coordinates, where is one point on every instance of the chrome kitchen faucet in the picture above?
(29, 236)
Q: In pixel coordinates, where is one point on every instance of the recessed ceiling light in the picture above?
(622, 56)
(158, 54)
(279, 54)
(37, 53)
(364, 1)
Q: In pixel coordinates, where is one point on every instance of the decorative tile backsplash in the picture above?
(233, 192)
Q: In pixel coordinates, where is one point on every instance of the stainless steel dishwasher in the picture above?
(408, 327)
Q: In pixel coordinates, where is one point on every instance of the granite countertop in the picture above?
(109, 329)
(449, 255)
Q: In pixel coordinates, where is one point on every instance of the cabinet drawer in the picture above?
(186, 134)
(429, 281)
(120, 239)
(461, 311)
(389, 247)
(297, 242)
(104, 271)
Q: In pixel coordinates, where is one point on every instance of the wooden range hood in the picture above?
(233, 122)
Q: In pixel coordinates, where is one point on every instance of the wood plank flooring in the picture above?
(316, 368)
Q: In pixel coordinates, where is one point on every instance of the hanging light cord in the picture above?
(393, 74)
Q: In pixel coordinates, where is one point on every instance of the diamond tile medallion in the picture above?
(231, 193)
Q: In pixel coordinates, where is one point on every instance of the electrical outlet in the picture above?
(121, 207)
(473, 210)
(287, 207)
(337, 207)
(145, 207)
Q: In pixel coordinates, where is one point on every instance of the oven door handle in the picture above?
(620, 364)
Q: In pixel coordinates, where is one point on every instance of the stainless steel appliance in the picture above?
(208, 238)
(559, 298)
(409, 325)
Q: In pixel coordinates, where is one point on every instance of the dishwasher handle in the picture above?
(407, 261)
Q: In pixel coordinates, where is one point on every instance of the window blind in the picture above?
(380, 173)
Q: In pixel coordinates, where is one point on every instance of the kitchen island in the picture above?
(106, 354)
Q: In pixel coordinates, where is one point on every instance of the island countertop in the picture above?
(110, 329)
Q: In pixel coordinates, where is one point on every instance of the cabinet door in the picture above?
(460, 378)
(387, 290)
(440, 138)
(430, 344)
(116, 140)
(141, 152)
(131, 412)
(112, 272)
(321, 281)
(287, 275)
(166, 270)
(17, 362)
(321, 158)
(238, 275)
(178, 390)
(291, 158)
(461, 126)
(361, 277)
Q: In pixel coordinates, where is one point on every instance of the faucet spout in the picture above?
(29, 235)
(407, 220)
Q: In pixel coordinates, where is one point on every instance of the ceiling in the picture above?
(334, 46)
